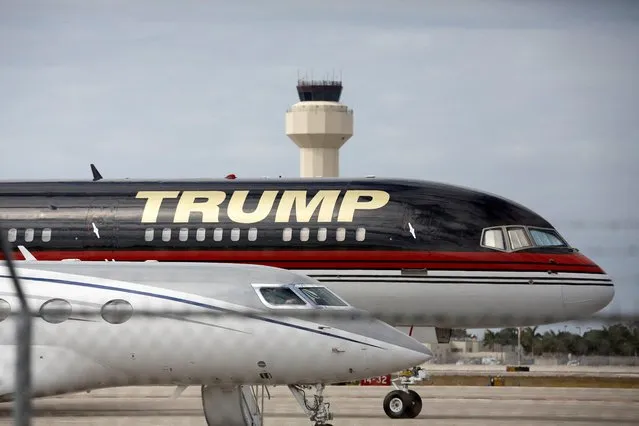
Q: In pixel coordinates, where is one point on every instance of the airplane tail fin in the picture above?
(96, 174)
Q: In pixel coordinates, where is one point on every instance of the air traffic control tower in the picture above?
(319, 125)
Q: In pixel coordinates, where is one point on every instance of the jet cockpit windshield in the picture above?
(546, 237)
(298, 296)
(321, 296)
(512, 238)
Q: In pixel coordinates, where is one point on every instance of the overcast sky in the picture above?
(536, 100)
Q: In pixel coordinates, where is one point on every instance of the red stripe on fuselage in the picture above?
(348, 259)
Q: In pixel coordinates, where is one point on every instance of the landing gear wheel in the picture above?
(396, 403)
(416, 407)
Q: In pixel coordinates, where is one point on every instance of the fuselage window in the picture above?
(280, 296)
(494, 238)
(252, 234)
(200, 234)
(518, 238)
(55, 311)
(340, 235)
(12, 235)
(322, 296)
(28, 235)
(235, 234)
(304, 233)
(546, 238)
(149, 233)
(116, 311)
(184, 234)
(46, 235)
(5, 309)
(321, 234)
(218, 233)
(360, 234)
(166, 234)
(287, 234)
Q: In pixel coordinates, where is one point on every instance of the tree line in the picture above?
(615, 340)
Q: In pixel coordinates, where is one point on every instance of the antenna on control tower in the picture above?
(319, 125)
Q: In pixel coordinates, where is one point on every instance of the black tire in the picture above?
(415, 408)
(396, 403)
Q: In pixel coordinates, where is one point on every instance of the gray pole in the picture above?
(22, 404)
(518, 345)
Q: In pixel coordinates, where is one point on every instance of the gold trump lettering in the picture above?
(292, 202)
(153, 202)
(303, 211)
(351, 202)
(236, 213)
(209, 207)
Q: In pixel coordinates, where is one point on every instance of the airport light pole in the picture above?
(519, 346)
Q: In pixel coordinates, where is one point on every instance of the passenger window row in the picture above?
(56, 311)
(235, 234)
(29, 234)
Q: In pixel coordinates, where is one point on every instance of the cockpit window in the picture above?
(322, 296)
(279, 296)
(511, 238)
(547, 238)
(493, 238)
(518, 238)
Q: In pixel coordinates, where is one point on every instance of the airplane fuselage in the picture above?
(105, 324)
(442, 255)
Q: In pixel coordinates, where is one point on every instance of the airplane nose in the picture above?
(588, 297)
(395, 350)
(399, 351)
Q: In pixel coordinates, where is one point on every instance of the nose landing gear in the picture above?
(319, 410)
(403, 403)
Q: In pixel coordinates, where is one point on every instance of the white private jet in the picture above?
(224, 327)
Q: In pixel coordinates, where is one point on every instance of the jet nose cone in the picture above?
(400, 351)
(413, 355)
(588, 297)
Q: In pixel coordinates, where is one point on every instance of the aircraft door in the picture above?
(100, 236)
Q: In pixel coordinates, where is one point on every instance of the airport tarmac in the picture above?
(352, 405)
